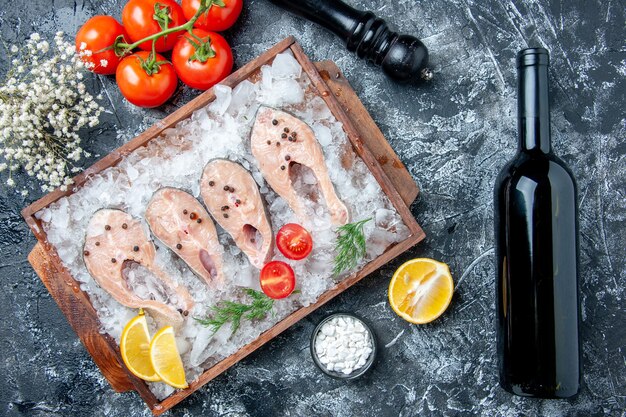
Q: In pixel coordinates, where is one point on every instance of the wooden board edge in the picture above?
(369, 131)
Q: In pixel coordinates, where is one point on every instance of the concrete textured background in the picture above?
(454, 135)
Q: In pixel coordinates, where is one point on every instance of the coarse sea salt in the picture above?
(343, 344)
(176, 159)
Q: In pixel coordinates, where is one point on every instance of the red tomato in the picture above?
(217, 18)
(96, 35)
(139, 87)
(294, 241)
(277, 279)
(202, 67)
(138, 17)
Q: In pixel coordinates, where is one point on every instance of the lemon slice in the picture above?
(421, 290)
(166, 359)
(135, 348)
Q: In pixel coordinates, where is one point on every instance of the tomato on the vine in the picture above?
(146, 81)
(202, 59)
(277, 279)
(97, 36)
(294, 241)
(221, 15)
(143, 18)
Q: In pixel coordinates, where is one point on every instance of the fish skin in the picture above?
(201, 249)
(239, 216)
(118, 243)
(305, 150)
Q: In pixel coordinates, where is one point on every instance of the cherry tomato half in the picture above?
(277, 279)
(96, 35)
(139, 87)
(217, 18)
(139, 20)
(202, 60)
(294, 241)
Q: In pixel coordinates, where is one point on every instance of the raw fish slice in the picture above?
(278, 141)
(233, 199)
(178, 220)
(114, 238)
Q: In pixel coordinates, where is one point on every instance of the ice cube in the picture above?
(266, 77)
(323, 134)
(222, 100)
(242, 95)
(288, 92)
(285, 66)
(132, 172)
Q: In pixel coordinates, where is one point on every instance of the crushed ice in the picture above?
(176, 159)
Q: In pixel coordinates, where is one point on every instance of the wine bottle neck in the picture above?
(533, 108)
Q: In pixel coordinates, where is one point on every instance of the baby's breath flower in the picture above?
(43, 105)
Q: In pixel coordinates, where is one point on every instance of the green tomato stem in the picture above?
(188, 26)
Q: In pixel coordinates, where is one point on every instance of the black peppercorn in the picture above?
(277, 143)
(113, 260)
(269, 142)
(124, 226)
(282, 167)
(136, 248)
(86, 253)
(185, 211)
(107, 227)
(274, 122)
(211, 183)
(237, 201)
(199, 221)
(179, 246)
(97, 243)
(193, 216)
(284, 136)
(225, 215)
(226, 187)
(286, 130)
(287, 157)
(225, 208)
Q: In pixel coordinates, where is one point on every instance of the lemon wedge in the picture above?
(421, 290)
(166, 360)
(135, 348)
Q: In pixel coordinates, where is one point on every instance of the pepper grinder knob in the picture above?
(401, 57)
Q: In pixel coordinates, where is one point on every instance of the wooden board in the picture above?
(368, 143)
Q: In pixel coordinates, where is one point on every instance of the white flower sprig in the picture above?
(43, 105)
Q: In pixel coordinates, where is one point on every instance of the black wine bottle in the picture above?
(536, 234)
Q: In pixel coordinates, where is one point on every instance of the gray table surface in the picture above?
(454, 135)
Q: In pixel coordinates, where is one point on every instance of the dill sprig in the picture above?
(233, 312)
(350, 246)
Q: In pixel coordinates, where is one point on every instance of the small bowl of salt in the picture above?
(343, 346)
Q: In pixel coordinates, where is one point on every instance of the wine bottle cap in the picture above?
(533, 56)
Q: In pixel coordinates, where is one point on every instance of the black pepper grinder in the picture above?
(402, 57)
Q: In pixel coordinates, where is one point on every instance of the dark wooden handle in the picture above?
(402, 57)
